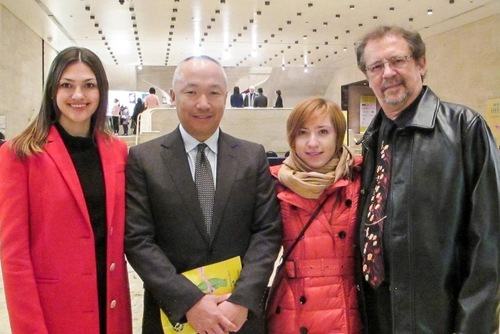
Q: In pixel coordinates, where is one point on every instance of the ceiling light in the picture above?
(351, 7)
(429, 12)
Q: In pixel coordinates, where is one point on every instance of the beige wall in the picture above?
(20, 81)
(464, 63)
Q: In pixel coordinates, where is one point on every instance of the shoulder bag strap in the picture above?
(301, 234)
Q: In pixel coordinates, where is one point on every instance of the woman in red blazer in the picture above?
(62, 208)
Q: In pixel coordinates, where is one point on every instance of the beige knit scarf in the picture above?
(310, 183)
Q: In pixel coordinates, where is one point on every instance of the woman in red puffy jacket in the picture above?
(317, 291)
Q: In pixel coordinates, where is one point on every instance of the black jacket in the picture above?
(445, 220)
(166, 234)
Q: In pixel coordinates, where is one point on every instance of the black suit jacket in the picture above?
(260, 101)
(247, 99)
(165, 233)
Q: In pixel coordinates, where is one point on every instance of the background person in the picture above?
(62, 209)
(249, 99)
(236, 99)
(279, 100)
(169, 232)
(124, 119)
(260, 100)
(138, 109)
(151, 100)
(115, 117)
(430, 223)
(318, 292)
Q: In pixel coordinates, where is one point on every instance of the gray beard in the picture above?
(395, 100)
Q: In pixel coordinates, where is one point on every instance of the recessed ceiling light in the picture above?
(429, 12)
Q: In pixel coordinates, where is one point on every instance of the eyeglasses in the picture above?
(394, 63)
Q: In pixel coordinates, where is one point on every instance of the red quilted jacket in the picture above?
(318, 293)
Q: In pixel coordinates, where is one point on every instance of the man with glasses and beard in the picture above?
(429, 209)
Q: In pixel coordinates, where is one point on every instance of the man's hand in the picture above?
(206, 317)
(237, 314)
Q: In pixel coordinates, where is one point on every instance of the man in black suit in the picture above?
(249, 100)
(260, 99)
(166, 233)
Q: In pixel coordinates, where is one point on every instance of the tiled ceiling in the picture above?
(247, 33)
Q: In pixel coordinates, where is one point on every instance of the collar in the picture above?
(190, 142)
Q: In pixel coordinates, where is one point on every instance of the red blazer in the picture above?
(47, 246)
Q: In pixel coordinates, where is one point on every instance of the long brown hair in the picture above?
(33, 138)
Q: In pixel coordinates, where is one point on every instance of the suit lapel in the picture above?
(58, 152)
(227, 165)
(175, 159)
